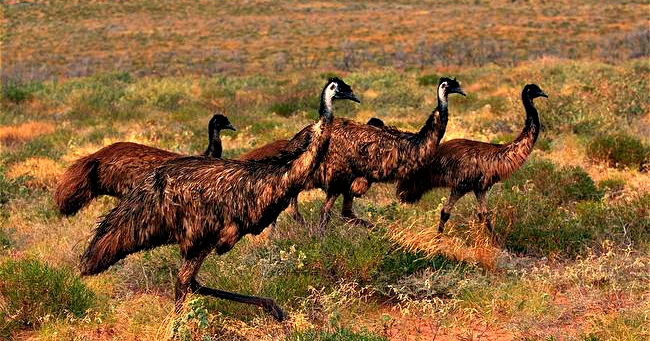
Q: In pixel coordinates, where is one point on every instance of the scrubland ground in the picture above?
(570, 259)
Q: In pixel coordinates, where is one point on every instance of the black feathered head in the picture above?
(340, 89)
(533, 91)
(376, 122)
(449, 86)
(220, 122)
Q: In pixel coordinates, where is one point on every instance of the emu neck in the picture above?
(422, 149)
(325, 109)
(442, 111)
(518, 150)
(214, 145)
(531, 125)
(305, 164)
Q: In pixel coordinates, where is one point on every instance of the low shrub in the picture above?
(32, 290)
(618, 150)
(561, 186)
(341, 334)
(17, 92)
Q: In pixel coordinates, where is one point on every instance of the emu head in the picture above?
(375, 122)
(533, 91)
(220, 122)
(448, 86)
(336, 88)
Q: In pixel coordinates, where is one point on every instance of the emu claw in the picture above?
(272, 308)
(357, 221)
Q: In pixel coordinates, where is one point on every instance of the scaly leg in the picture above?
(483, 213)
(295, 213)
(265, 303)
(348, 214)
(325, 213)
(445, 213)
(186, 280)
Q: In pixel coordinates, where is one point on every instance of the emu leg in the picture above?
(293, 210)
(186, 280)
(347, 213)
(186, 274)
(265, 303)
(483, 213)
(325, 213)
(445, 213)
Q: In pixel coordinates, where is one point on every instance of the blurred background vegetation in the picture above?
(571, 256)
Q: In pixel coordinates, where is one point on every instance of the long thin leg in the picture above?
(295, 213)
(445, 213)
(186, 280)
(483, 213)
(325, 213)
(265, 303)
(348, 214)
(186, 274)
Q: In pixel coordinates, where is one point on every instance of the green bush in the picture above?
(32, 290)
(337, 335)
(17, 92)
(428, 80)
(534, 225)
(561, 186)
(618, 150)
(611, 185)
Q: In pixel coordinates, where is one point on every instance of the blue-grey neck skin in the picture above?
(442, 99)
(326, 98)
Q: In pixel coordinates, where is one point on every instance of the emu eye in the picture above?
(444, 84)
(332, 87)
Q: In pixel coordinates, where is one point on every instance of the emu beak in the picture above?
(229, 126)
(459, 90)
(543, 94)
(350, 96)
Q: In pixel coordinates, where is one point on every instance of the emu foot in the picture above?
(352, 219)
(272, 308)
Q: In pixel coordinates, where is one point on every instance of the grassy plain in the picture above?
(571, 257)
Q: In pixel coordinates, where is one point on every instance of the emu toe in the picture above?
(357, 221)
(272, 308)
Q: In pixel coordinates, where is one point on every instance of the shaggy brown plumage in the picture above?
(269, 150)
(204, 204)
(372, 154)
(465, 165)
(115, 169)
(358, 187)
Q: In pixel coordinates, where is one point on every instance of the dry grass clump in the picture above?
(474, 246)
(17, 134)
(42, 172)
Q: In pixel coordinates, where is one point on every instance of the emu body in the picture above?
(115, 169)
(473, 166)
(204, 204)
(359, 185)
(362, 154)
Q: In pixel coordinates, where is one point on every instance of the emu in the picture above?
(275, 147)
(115, 169)
(204, 204)
(362, 154)
(466, 165)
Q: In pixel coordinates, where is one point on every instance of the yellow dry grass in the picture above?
(41, 172)
(10, 135)
(475, 248)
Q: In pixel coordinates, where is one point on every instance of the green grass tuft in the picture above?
(32, 289)
(337, 335)
(618, 150)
